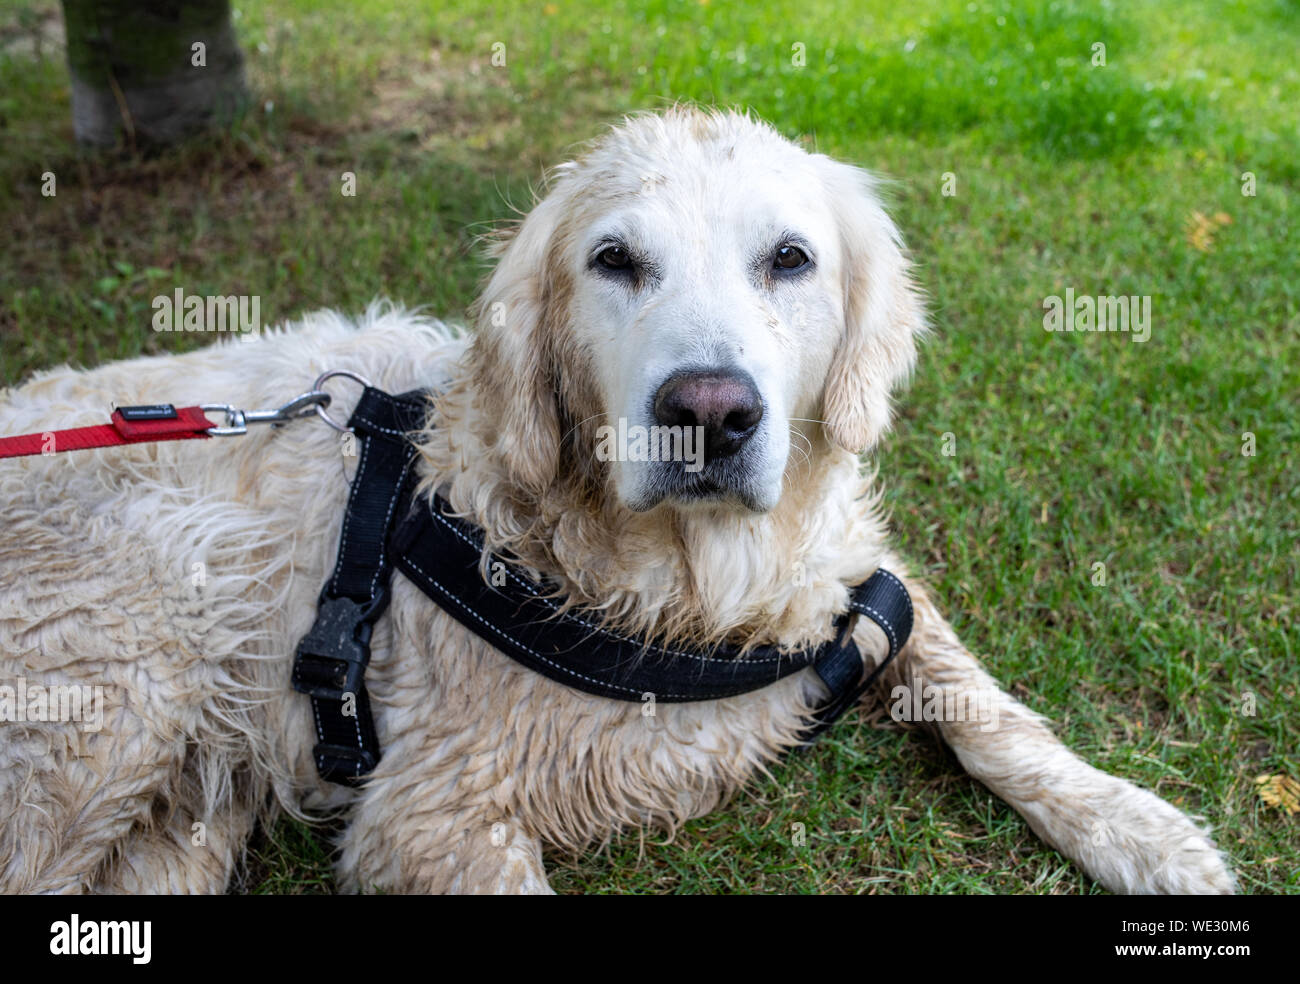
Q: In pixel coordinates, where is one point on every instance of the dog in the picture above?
(691, 268)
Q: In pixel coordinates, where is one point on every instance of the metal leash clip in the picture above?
(237, 420)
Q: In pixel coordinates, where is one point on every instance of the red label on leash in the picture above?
(130, 425)
(150, 423)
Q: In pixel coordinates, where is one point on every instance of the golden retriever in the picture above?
(692, 266)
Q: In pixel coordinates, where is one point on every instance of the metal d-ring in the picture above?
(320, 410)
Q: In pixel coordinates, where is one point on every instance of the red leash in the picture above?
(130, 425)
(164, 422)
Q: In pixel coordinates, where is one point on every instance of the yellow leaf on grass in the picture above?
(1201, 229)
(1280, 791)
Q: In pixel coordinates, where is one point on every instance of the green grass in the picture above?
(1070, 450)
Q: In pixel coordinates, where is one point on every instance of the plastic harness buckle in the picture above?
(332, 657)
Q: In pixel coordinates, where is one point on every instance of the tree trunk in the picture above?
(156, 70)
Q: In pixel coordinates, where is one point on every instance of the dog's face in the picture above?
(689, 298)
(708, 294)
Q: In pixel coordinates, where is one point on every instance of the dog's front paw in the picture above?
(1141, 845)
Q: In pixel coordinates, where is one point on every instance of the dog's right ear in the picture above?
(517, 319)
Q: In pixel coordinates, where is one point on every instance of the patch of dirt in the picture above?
(33, 31)
(431, 100)
(466, 109)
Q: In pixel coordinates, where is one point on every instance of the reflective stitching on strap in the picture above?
(610, 633)
(388, 516)
(356, 720)
(901, 587)
(559, 666)
(347, 518)
(320, 732)
(884, 623)
(382, 430)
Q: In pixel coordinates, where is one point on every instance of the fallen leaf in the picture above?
(1280, 791)
(1201, 229)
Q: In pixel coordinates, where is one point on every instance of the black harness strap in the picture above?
(883, 599)
(442, 555)
(331, 660)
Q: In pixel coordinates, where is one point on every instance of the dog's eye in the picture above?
(789, 258)
(614, 258)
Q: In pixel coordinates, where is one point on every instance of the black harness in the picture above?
(442, 554)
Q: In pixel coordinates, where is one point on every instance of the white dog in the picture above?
(692, 269)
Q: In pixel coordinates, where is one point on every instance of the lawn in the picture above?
(1022, 458)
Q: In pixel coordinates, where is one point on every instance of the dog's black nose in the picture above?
(725, 402)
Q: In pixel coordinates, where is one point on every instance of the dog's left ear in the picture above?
(883, 313)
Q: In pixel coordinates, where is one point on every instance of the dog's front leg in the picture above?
(1127, 838)
(397, 843)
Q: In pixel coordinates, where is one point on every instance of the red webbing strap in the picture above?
(188, 423)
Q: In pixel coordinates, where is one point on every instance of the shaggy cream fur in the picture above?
(179, 577)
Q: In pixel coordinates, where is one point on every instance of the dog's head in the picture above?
(689, 296)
